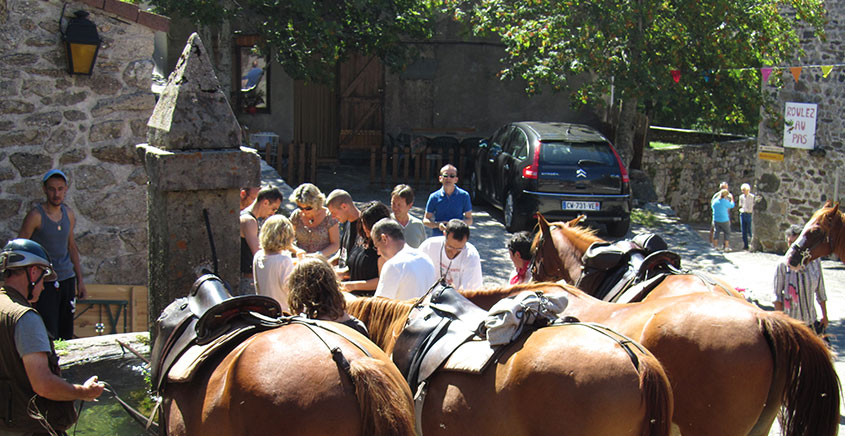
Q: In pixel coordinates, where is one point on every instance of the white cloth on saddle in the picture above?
(506, 318)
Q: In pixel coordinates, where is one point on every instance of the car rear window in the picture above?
(569, 153)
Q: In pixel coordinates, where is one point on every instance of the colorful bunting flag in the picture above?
(676, 75)
(826, 70)
(796, 72)
(766, 72)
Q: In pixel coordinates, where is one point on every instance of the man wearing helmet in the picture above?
(51, 224)
(29, 367)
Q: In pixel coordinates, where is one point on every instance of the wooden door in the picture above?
(360, 89)
(315, 118)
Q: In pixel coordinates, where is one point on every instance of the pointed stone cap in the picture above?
(192, 112)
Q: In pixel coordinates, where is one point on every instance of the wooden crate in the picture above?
(127, 306)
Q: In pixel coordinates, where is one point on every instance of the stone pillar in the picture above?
(194, 162)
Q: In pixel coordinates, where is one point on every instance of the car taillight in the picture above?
(533, 170)
(622, 170)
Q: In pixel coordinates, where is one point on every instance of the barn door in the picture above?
(315, 118)
(360, 88)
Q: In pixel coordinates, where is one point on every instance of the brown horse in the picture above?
(285, 381)
(566, 379)
(718, 355)
(822, 235)
(700, 336)
(560, 259)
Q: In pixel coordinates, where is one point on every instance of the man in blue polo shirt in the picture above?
(446, 203)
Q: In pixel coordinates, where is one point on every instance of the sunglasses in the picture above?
(305, 208)
(449, 175)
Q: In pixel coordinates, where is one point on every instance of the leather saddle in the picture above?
(611, 270)
(434, 330)
(207, 313)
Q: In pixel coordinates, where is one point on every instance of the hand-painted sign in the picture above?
(799, 127)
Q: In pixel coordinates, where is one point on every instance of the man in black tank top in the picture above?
(51, 224)
(340, 205)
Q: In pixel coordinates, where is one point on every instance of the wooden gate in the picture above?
(360, 84)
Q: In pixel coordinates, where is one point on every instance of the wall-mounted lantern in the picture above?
(83, 43)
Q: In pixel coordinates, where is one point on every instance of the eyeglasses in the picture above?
(306, 208)
(449, 175)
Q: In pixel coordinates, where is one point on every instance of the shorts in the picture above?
(724, 227)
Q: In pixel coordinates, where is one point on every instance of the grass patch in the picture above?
(663, 145)
(644, 218)
(60, 344)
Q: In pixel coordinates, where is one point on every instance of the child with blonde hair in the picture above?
(273, 262)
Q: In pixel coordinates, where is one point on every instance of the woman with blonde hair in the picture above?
(316, 231)
(273, 262)
(315, 293)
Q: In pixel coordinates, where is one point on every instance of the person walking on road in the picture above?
(746, 208)
(51, 224)
(722, 218)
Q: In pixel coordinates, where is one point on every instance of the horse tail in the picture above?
(387, 408)
(657, 396)
(805, 379)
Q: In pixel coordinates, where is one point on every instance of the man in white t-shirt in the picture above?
(457, 260)
(407, 273)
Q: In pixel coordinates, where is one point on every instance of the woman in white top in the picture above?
(273, 262)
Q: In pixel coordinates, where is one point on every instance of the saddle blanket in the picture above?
(472, 357)
(191, 360)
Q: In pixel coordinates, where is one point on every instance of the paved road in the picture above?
(753, 271)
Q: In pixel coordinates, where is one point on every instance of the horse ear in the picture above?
(574, 222)
(835, 207)
(828, 203)
(544, 225)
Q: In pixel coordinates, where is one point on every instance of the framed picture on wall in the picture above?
(252, 76)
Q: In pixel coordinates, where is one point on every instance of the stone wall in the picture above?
(686, 177)
(791, 190)
(87, 126)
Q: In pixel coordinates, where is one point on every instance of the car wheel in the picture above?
(473, 188)
(620, 228)
(514, 222)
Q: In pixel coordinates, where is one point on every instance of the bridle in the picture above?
(538, 266)
(803, 247)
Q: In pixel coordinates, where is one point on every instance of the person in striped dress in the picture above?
(795, 289)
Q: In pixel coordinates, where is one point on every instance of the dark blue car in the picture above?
(558, 169)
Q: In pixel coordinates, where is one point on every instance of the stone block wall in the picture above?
(686, 178)
(792, 189)
(86, 125)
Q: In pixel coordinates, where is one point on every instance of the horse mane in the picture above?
(379, 315)
(487, 297)
(580, 237)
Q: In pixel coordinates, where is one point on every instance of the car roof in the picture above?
(554, 131)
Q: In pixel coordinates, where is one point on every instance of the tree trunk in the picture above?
(625, 130)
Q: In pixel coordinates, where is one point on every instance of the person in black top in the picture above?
(340, 205)
(313, 291)
(364, 262)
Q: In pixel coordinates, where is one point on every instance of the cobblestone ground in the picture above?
(752, 271)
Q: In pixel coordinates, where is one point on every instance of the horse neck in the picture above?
(578, 242)
(837, 235)
(383, 317)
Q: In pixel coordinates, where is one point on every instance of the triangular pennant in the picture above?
(826, 69)
(796, 72)
(766, 72)
(676, 75)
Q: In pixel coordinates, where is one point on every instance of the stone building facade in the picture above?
(86, 125)
(686, 178)
(789, 191)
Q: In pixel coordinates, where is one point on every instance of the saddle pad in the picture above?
(191, 360)
(471, 357)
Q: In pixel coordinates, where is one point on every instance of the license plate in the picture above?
(581, 205)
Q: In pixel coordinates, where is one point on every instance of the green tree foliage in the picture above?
(309, 37)
(634, 44)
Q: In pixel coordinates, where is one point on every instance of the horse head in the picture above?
(822, 235)
(553, 255)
